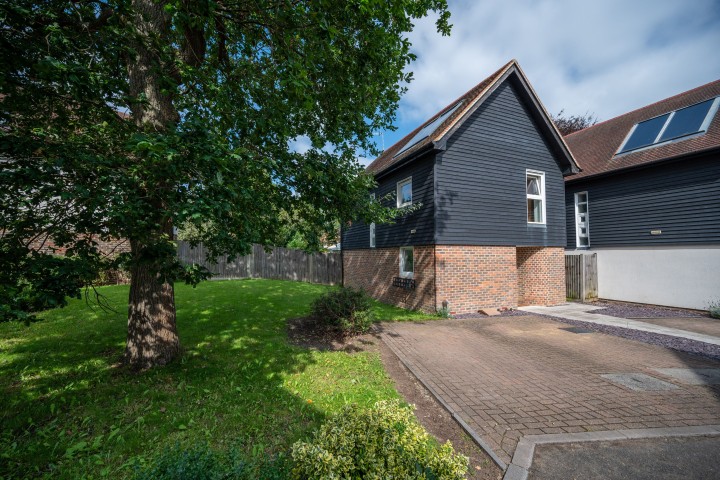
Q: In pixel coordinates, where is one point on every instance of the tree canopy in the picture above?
(127, 118)
(568, 124)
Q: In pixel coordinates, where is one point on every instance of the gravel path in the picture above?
(625, 310)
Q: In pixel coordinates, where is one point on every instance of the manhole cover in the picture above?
(639, 382)
(693, 376)
(577, 330)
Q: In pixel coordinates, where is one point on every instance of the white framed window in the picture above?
(404, 192)
(582, 220)
(535, 191)
(407, 264)
(372, 227)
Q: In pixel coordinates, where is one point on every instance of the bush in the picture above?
(199, 463)
(714, 309)
(383, 442)
(346, 309)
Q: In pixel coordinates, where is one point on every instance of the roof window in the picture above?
(671, 126)
(428, 129)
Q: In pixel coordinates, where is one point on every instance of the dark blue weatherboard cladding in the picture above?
(481, 178)
(401, 232)
(681, 199)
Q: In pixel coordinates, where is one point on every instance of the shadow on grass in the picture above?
(68, 410)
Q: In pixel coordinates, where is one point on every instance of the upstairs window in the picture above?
(671, 126)
(535, 191)
(407, 266)
(582, 220)
(404, 192)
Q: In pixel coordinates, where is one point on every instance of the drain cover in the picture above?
(639, 382)
(577, 330)
(693, 376)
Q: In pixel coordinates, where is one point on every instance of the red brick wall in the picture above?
(106, 247)
(374, 269)
(474, 277)
(541, 275)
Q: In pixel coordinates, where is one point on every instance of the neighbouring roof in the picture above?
(595, 147)
(441, 125)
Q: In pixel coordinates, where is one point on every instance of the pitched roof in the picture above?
(595, 147)
(457, 112)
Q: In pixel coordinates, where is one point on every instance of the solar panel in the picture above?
(686, 121)
(427, 129)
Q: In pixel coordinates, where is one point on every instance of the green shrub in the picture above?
(196, 463)
(346, 309)
(383, 442)
(714, 309)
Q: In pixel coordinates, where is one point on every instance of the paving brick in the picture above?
(514, 376)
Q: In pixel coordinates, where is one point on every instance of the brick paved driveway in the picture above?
(507, 377)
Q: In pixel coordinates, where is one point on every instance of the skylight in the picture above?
(427, 129)
(671, 126)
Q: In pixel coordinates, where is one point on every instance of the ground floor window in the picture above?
(407, 267)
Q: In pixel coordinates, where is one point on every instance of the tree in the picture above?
(573, 123)
(214, 92)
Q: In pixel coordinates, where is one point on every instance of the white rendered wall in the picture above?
(686, 277)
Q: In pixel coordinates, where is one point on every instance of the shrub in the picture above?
(714, 309)
(383, 442)
(346, 309)
(196, 463)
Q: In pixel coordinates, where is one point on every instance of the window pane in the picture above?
(407, 265)
(583, 241)
(533, 186)
(687, 121)
(582, 197)
(534, 210)
(582, 207)
(406, 193)
(645, 133)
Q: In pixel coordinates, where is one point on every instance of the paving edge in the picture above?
(468, 429)
(523, 457)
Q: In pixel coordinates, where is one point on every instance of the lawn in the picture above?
(68, 411)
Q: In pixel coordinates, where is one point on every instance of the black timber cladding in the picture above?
(481, 198)
(681, 199)
(400, 233)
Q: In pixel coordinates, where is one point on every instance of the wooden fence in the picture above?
(581, 276)
(279, 264)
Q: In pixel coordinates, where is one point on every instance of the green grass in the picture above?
(67, 410)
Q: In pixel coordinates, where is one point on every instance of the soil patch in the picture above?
(305, 332)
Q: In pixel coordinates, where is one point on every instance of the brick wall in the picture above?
(541, 275)
(474, 277)
(374, 269)
(110, 247)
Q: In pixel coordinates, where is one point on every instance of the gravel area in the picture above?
(630, 310)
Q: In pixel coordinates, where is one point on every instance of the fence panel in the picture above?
(280, 264)
(581, 276)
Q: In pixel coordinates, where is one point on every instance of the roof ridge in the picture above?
(469, 96)
(686, 92)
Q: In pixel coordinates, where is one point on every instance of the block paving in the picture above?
(508, 377)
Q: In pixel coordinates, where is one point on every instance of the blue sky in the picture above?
(605, 57)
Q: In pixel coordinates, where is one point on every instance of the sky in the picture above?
(603, 57)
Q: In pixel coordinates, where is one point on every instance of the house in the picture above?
(647, 201)
(486, 177)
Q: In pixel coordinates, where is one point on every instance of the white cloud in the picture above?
(605, 57)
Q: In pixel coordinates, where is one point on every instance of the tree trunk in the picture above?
(152, 337)
(152, 334)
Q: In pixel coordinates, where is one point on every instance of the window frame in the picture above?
(577, 219)
(670, 115)
(403, 272)
(541, 197)
(398, 192)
